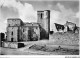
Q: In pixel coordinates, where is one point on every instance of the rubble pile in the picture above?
(65, 38)
(42, 48)
(47, 48)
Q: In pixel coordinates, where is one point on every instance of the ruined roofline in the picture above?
(66, 23)
(31, 26)
(14, 26)
(42, 10)
(31, 23)
(58, 24)
(14, 19)
(46, 10)
(70, 22)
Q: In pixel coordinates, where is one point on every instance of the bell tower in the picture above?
(44, 21)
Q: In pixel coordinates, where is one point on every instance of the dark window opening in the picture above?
(15, 24)
(12, 33)
(41, 15)
(51, 32)
(12, 39)
(36, 27)
(23, 30)
(9, 24)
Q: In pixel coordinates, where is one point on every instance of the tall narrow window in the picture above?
(23, 30)
(41, 15)
(12, 33)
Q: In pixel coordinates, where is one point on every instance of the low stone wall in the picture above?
(12, 44)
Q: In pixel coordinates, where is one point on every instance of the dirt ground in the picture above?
(58, 44)
(32, 48)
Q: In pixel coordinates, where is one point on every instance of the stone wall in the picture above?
(29, 29)
(44, 21)
(14, 22)
(14, 29)
(12, 33)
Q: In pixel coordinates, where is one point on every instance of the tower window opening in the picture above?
(12, 33)
(41, 15)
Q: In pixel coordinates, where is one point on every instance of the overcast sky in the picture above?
(61, 11)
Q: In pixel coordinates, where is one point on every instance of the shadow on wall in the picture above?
(43, 34)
